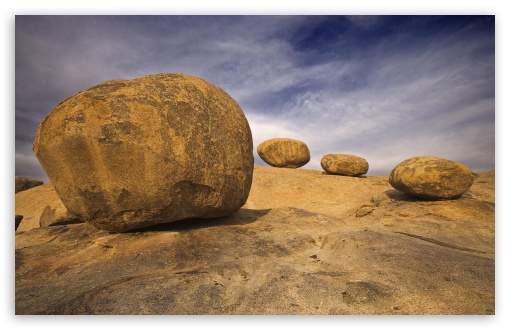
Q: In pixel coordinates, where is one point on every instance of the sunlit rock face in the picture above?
(304, 243)
(344, 164)
(283, 152)
(127, 154)
(432, 178)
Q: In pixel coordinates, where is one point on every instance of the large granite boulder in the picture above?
(344, 164)
(127, 154)
(283, 152)
(24, 183)
(432, 178)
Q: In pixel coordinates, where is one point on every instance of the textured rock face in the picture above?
(344, 164)
(23, 183)
(32, 203)
(302, 244)
(282, 152)
(54, 216)
(432, 178)
(127, 154)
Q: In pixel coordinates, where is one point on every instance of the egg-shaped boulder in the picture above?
(432, 178)
(284, 152)
(127, 154)
(344, 164)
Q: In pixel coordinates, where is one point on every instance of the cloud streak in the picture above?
(381, 87)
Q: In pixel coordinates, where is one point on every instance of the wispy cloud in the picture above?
(385, 88)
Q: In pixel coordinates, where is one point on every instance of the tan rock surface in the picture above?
(344, 164)
(127, 154)
(283, 152)
(54, 216)
(31, 204)
(432, 178)
(23, 183)
(304, 243)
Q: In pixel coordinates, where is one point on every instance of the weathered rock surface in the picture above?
(32, 203)
(54, 216)
(283, 152)
(432, 178)
(344, 164)
(24, 183)
(127, 154)
(304, 243)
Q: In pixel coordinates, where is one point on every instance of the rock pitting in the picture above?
(284, 152)
(344, 164)
(432, 178)
(127, 154)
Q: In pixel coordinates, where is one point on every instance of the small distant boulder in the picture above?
(24, 183)
(432, 178)
(344, 164)
(283, 152)
(128, 154)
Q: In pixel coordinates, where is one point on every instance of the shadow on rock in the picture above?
(401, 196)
(344, 176)
(241, 217)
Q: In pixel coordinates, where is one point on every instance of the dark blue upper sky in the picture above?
(385, 88)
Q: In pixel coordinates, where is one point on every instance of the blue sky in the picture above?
(385, 88)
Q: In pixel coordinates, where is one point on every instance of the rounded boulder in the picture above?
(24, 183)
(128, 154)
(284, 152)
(432, 178)
(344, 164)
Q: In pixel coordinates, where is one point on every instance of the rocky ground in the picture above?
(304, 243)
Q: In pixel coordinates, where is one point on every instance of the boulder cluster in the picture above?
(425, 177)
(127, 154)
(291, 153)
